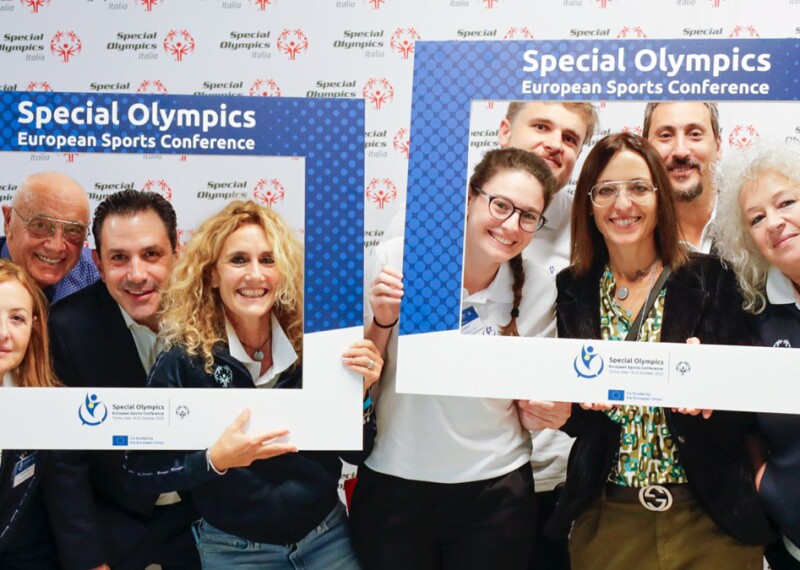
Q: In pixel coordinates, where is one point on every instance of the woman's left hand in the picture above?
(363, 357)
(536, 415)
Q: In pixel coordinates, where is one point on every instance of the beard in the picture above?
(694, 192)
(689, 194)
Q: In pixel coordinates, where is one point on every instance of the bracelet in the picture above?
(210, 466)
(389, 326)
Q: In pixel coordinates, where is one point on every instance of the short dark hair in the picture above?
(713, 112)
(588, 245)
(130, 202)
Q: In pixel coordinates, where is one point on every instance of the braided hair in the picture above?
(518, 271)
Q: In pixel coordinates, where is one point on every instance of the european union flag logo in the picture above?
(616, 395)
(119, 440)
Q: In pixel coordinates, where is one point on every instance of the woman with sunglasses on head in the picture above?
(449, 484)
(649, 487)
(233, 318)
(26, 540)
(758, 231)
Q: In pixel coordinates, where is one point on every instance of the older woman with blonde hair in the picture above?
(26, 540)
(758, 232)
(233, 318)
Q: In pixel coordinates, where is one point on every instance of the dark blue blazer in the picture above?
(96, 518)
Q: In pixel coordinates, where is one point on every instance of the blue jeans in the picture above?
(327, 547)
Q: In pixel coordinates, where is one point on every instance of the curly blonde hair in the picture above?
(732, 236)
(192, 313)
(34, 371)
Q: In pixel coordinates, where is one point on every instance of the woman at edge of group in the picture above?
(233, 317)
(759, 233)
(624, 234)
(26, 541)
(449, 484)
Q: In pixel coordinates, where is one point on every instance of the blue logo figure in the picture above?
(588, 364)
(93, 412)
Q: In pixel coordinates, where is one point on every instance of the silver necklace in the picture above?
(258, 353)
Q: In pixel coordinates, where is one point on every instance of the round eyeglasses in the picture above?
(606, 193)
(530, 221)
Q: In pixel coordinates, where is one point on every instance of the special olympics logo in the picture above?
(603, 3)
(744, 32)
(637, 130)
(376, 4)
(631, 32)
(378, 92)
(490, 3)
(292, 43)
(159, 187)
(683, 367)
(782, 343)
(182, 411)
(152, 86)
(381, 191)
(34, 5)
(743, 136)
(92, 412)
(70, 156)
(265, 88)
(269, 191)
(149, 4)
(715, 3)
(514, 33)
(262, 4)
(223, 375)
(588, 364)
(39, 86)
(179, 43)
(401, 142)
(402, 41)
(65, 45)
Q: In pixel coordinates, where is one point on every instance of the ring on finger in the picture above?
(370, 364)
(549, 418)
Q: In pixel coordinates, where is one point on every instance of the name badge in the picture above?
(24, 469)
(472, 324)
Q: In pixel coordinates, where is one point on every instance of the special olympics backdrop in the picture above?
(326, 48)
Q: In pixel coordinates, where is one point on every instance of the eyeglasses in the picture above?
(530, 221)
(44, 226)
(606, 193)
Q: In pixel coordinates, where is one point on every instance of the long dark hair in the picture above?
(494, 162)
(588, 244)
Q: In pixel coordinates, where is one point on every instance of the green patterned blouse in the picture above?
(647, 452)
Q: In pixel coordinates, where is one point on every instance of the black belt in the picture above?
(656, 498)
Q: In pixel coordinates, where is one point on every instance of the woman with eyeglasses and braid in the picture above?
(448, 484)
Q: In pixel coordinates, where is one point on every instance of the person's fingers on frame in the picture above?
(392, 272)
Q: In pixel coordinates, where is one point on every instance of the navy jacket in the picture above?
(275, 501)
(96, 518)
(23, 519)
(702, 301)
(779, 326)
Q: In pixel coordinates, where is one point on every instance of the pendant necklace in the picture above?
(258, 353)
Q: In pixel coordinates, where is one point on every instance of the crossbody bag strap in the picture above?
(633, 333)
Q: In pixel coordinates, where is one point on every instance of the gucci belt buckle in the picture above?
(655, 498)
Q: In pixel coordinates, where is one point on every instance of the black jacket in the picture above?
(96, 518)
(275, 501)
(702, 301)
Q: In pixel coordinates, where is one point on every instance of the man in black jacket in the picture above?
(105, 336)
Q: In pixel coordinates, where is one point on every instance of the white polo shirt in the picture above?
(550, 248)
(781, 289)
(446, 439)
(283, 355)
